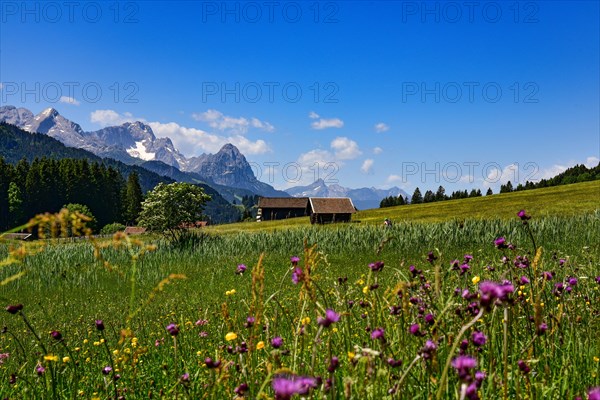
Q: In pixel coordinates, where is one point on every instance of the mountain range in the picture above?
(362, 198)
(134, 143)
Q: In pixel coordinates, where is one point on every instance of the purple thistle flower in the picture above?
(500, 243)
(185, 378)
(598, 280)
(464, 268)
(330, 317)
(173, 329)
(241, 389)
(524, 280)
(542, 328)
(468, 258)
(547, 275)
(463, 366)
(277, 342)
(414, 271)
(479, 338)
(572, 281)
(471, 392)
(203, 334)
(56, 335)
(523, 367)
(107, 370)
(378, 334)
(13, 309)
(429, 319)
(334, 363)
(492, 293)
(285, 387)
(250, 322)
(524, 217)
(454, 265)
(294, 260)
(562, 262)
(99, 324)
(376, 266)
(296, 275)
(40, 370)
(394, 363)
(594, 393)
(479, 377)
(428, 350)
(415, 330)
(431, 257)
(241, 268)
(212, 364)
(201, 322)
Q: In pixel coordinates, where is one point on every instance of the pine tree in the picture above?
(489, 192)
(417, 197)
(133, 198)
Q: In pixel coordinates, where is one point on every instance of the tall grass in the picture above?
(66, 288)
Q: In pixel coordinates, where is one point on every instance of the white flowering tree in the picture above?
(169, 207)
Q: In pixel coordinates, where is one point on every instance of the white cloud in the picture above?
(381, 127)
(591, 162)
(393, 178)
(367, 166)
(69, 100)
(193, 141)
(111, 118)
(377, 150)
(323, 123)
(345, 148)
(240, 125)
(313, 115)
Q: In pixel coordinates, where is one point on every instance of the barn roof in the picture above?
(332, 205)
(283, 202)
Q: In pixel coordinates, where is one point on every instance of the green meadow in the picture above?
(450, 312)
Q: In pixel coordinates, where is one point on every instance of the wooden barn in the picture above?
(332, 209)
(272, 208)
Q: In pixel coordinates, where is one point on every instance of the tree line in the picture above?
(47, 185)
(578, 173)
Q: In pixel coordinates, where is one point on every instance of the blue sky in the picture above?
(364, 93)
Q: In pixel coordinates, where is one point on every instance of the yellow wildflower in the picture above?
(476, 280)
(596, 359)
(260, 345)
(50, 357)
(305, 320)
(230, 336)
(365, 290)
(351, 355)
(66, 359)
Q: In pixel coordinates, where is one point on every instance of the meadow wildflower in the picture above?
(230, 336)
(478, 338)
(378, 334)
(429, 319)
(212, 364)
(285, 387)
(463, 366)
(431, 257)
(542, 328)
(250, 322)
(99, 324)
(428, 349)
(296, 275)
(277, 342)
(241, 389)
(13, 309)
(594, 393)
(241, 268)
(260, 345)
(523, 367)
(107, 370)
(394, 363)
(334, 363)
(40, 370)
(415, 330)
(376, 266)
(330, 318)
(491, 293)
(56, 335)
(294, 260)
(51, 357)
(500, 243)
(3, 356)
(173, 329)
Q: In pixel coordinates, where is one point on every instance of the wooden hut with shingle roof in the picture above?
(272, 208)
(330, 209)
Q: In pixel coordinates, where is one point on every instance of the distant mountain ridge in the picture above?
(135, 143)
(363, 198)
(16, 143)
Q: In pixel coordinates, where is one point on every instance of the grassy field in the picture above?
(180, 322)
(559, 200)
